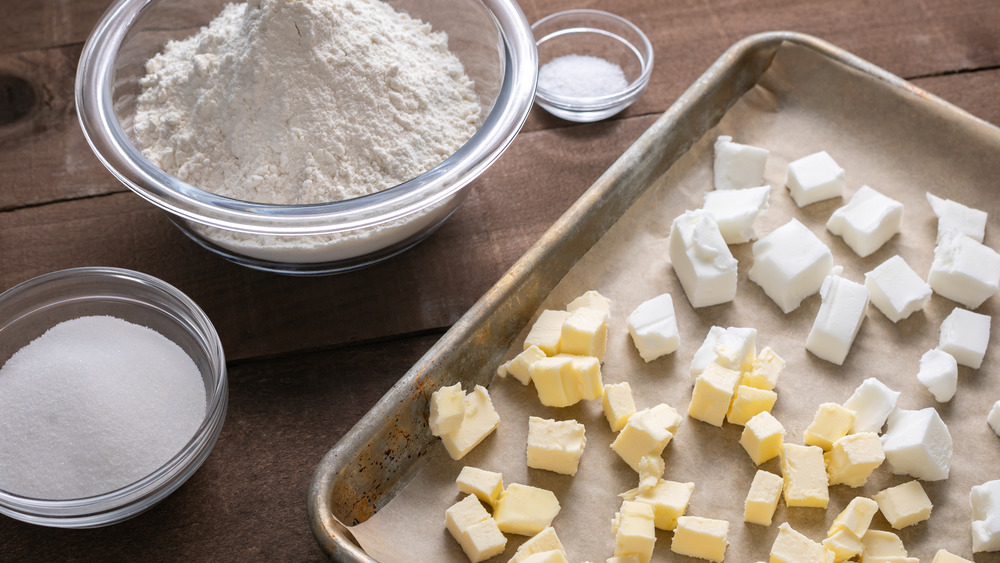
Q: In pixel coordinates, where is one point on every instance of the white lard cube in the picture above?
(993, 419)
(965, 335)
(964, 270)
(985, 501)
(736, 210)
(738, 166)
(814, 178)
(896, 289)
(703, 262)
(790, 264)
(955, 216)
(838, 320)
(868, 221)
(733, 348)
(917, 443)
(871, 402)
(653, 327)
(939, 373)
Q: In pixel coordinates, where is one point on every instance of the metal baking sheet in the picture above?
(388, 446)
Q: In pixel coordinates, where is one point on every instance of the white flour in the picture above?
(305, 101)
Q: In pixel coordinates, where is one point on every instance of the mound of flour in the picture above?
(305, 101)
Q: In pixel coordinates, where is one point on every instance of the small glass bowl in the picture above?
(597, 34)
(31, 308)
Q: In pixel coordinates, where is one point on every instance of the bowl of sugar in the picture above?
(592, 64)
(113, 391)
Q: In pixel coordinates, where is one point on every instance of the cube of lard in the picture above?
(765, 370)
(669, 500)
(814, 178)
(653, 327)
(447, 409)
(555, 445)
(525, 510)
(591, 300)
(790, 264)
(844, 545)
(876, 543)
(713, 393)
(733, 348)
(955, 216)
(964, 270)
(542, 542)
(804, 472)
(896, 289)
(762, 437)
(762, 498)
(917, 443)
(479, 421)
(839, 319)
(486, 485)
(871, 402)
(831, 423)
(904, 505)
(647, 432)
(705, 538)
(855, 518)
(945, 556)
(868, 220)
(939, 373)
(703, 263)
(736, 210)
(985, 501)
(546, 331)
(993, 419)
(618, 404)
(519, 365)
(965, 335)
(634, 530)
(749, 402)
(853, 458)
(791, 546)
(738, 166)
(585, 333)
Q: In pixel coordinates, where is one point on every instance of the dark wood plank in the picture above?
(975, 92)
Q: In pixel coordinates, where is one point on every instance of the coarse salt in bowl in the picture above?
(490, 37)
(29, 310)
(592, 64)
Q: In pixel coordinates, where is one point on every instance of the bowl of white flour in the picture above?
(305, 137)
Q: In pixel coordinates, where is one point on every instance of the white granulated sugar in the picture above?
(581, 76)
(305, 102)
(92, 405)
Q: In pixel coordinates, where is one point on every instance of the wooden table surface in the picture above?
(308, 356)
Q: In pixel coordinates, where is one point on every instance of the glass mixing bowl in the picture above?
(491, 38)
(31, 308)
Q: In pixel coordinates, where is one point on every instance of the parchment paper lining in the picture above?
(895, 142)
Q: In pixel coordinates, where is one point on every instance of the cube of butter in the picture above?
(542, 542)
(843, 544)
(585, 333)
(618, 404)
(791, 546)
(525, 510)
(705, 538)
(877, 543)
(762, 498)
(647, 432)
(447, 409)
(546, 331)
(653, 327)
(831, 422)
(669, 500)
(945, 556)
(463, 514)
(486, 485)
(853, 458)
(904, 505)
(555, 381)
(764, 371)
(804, 472)
(555, 445)
(519, 365)
(591, 300)
(483, 540)
(479, 421)
(551, 556)
(713, 393)
(855, 518)
(762, 437)
(749, 402)
(634, 531)
(651, 468)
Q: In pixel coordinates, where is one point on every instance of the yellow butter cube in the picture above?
(832, 422)
(552, 556)
(549, 376)
(805, 477)
(651, 468)
(519, 365)
(546, 331)
(843, 544)
(713, 393)
(945, 556)
(618, 404)
(585, 333)
(463, 514)
(855, 518)
(479, 421)
(764, 372)
(483, 540)
(447, 409)
(585, 373)
(647, 432)
(525, 510)
(705, 538)
(762, 437)
(543, 541)
(876, 543)
(555, 445)
(791, 546)
(591, 300)
(749, 402)
(904, 505)
(623, 559)
(486, 485)
(853, 458)
(762, 498)
(669, 500)
(634, 531)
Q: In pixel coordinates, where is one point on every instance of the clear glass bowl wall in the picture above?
(490, 37)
